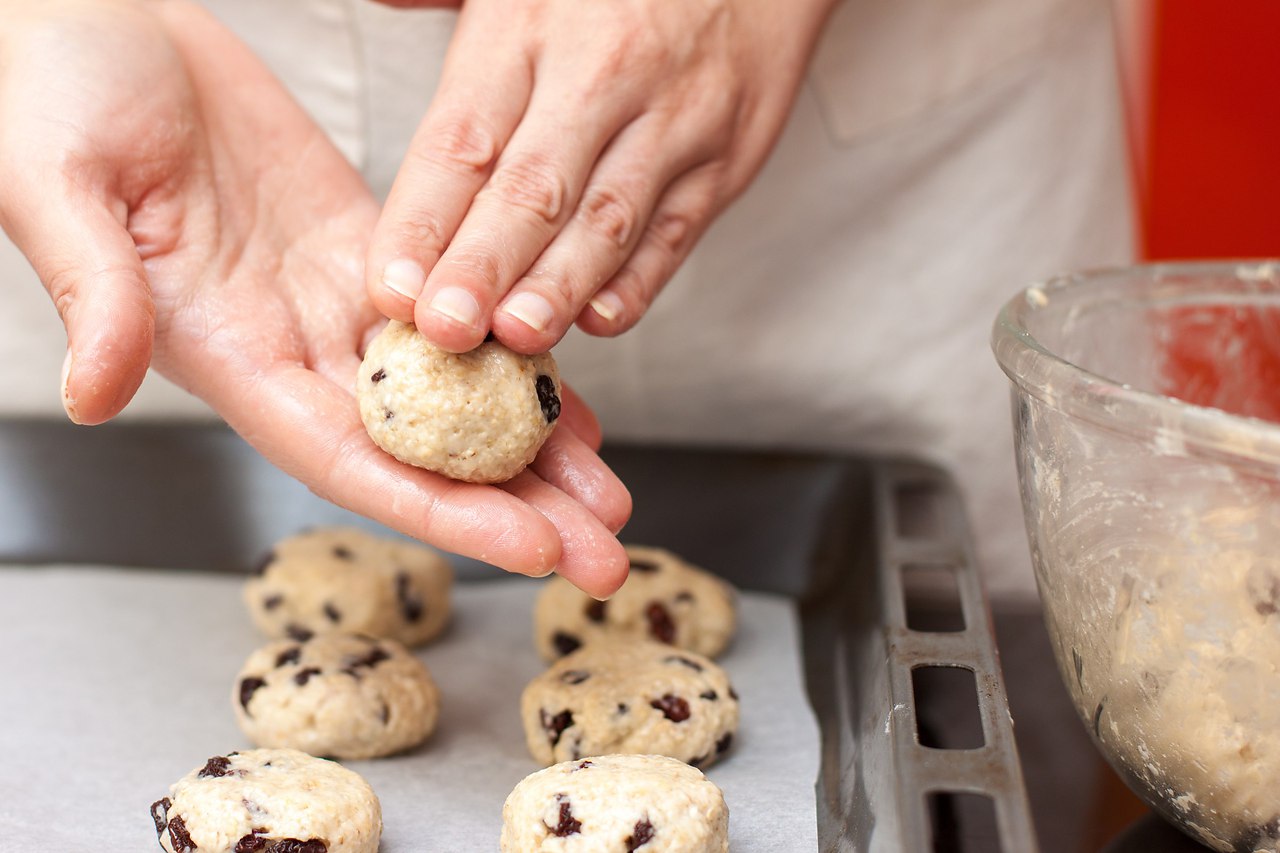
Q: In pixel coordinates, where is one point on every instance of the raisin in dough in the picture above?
(664, 598)
(269, 801)
(616, 803)
(337, 695)
(344, 580)
(630, 696)
(479, 416)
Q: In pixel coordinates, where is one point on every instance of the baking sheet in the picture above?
(117, 682)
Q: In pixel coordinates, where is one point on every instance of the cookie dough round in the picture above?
(345, 580)
(269, 801)
(613, 803)
(629, 696)
(478, 416)
(664, 598)
(337, 695)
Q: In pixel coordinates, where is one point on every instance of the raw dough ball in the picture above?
(337, 695)
(664, 599)
(479, 416)
(614, 803)
(344, 580)
(269, 801)
(630, 696)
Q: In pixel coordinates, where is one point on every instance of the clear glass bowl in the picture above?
(1150, 477)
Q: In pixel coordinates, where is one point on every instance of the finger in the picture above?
(448, 161)
(682, 215)
(534, 189)
(90, 266)
(607, 225)
(591, 557)
(310, 428)
(572, 467)
(578, 417)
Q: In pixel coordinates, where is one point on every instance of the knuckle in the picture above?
(672, 230)
(422, 229)
(463, 143)
(607, 212)
(476, 263)
(532, 183)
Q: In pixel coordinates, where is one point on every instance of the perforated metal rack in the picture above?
(885, 621)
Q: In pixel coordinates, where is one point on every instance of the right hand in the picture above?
(180, 207)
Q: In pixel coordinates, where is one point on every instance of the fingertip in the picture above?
(451, 318)
(603, 576)
(395, 290)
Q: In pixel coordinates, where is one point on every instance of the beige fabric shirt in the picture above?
(940, 156)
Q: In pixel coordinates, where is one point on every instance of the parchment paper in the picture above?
(114, 683)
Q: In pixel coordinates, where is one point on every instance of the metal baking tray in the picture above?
(899, 654)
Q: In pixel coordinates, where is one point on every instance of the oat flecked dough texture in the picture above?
(336, 695)
(347, 581)
(614, 803)
(479, 416)
(269, 799)
(664, 599)
(630, 696)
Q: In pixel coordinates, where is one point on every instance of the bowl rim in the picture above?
(1176, 426)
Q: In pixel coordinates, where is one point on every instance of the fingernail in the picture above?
(457, 304)
(530, 309)
(405, 277)
(542, 574)
(608, 305)
(68, 404)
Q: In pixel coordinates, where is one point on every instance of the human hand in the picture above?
(573, 154)
(168, 191)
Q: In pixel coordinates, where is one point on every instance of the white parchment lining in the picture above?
(114, 683)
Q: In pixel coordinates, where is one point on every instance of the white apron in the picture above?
(940, 156)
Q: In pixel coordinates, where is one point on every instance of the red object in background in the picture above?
(1202, 91)
(1202, 98)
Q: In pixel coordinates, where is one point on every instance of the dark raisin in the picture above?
(289, 656)
(179, 838)
(293, 845)
(583, 766)
(299, 633)
(565, 643)
(264, 562)
(384, 713)
(271, 602)
(575, 676)
(622, 708)
(683, 661)
(251, 843)
(684, 596)
(661, 627)
(640, 836)
(643, 565)
(379, 375)
(595, 611)
(370, 659)
(722, 745)
(709, 695)
(672, 707)
(335, 615)
(410, 603)
(160, 814)
(302, 676)
(567, 825)
(733, 694)
(548, 399)
(215, 767)
(699, 761)
(342, 552)
(556, 725)
(388, 414)
(248, 687)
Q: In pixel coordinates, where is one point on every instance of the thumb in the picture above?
(88, 263)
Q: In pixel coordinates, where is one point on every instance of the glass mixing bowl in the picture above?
(1150, 478)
